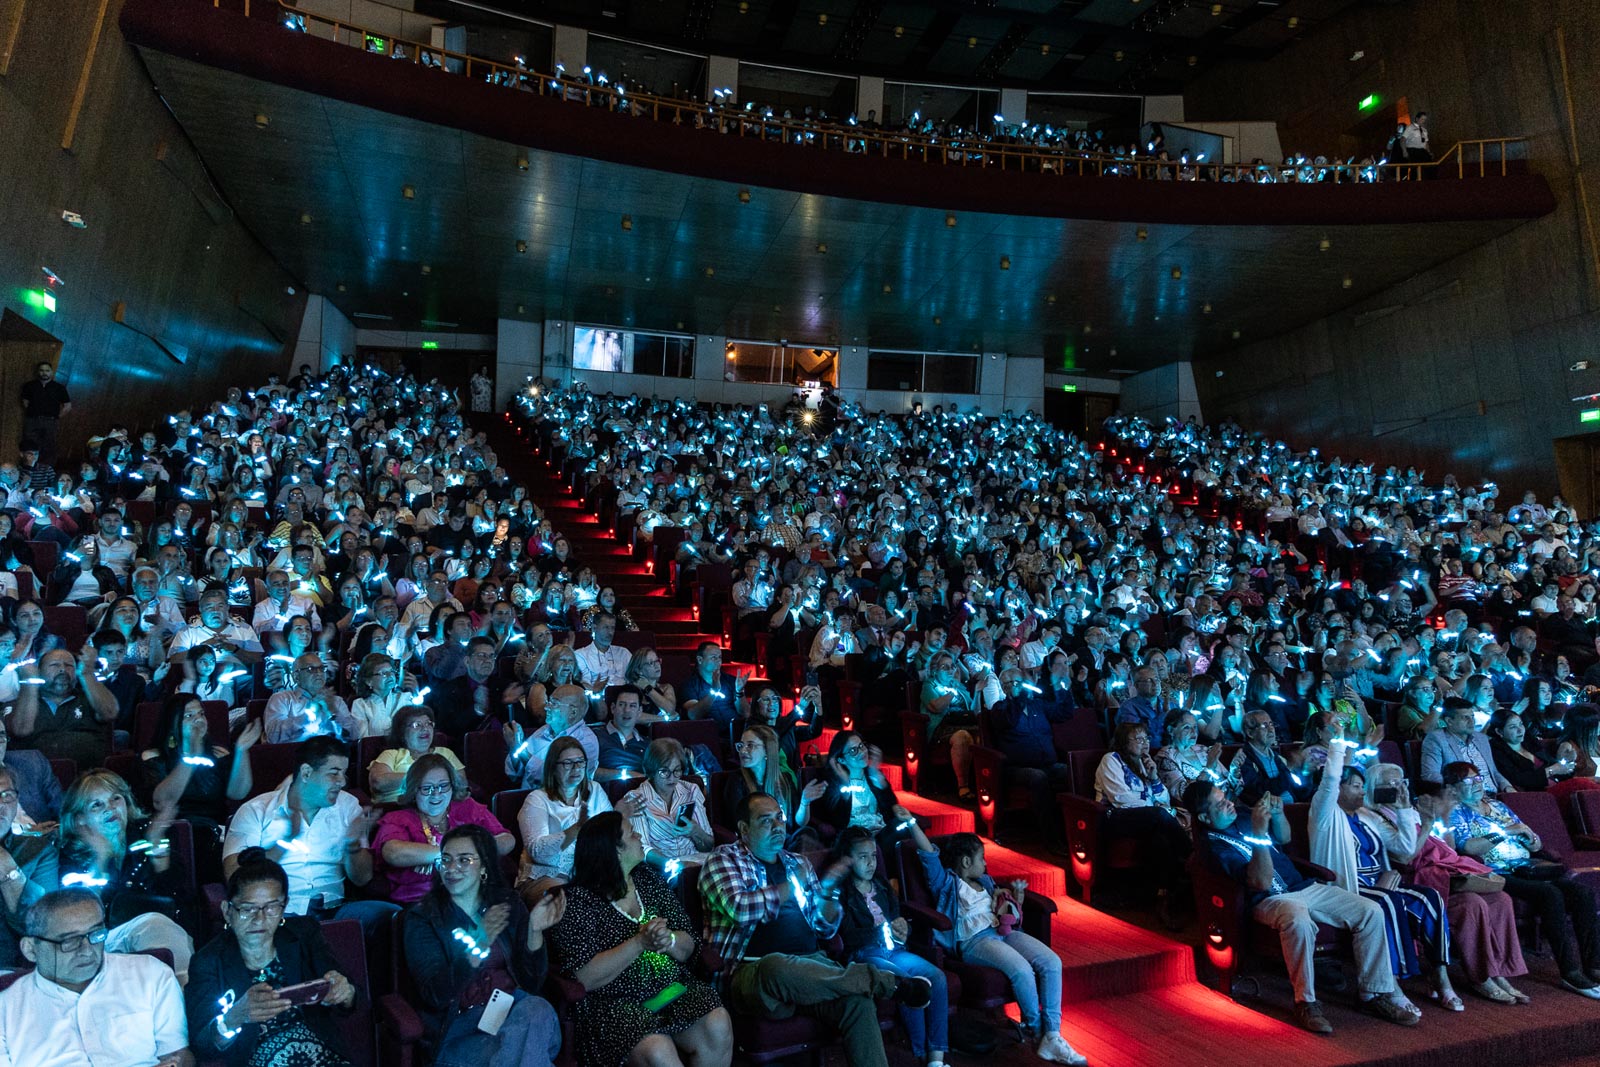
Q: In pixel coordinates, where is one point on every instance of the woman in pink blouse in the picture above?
(407, 840)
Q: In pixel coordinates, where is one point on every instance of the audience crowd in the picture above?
(310, 654)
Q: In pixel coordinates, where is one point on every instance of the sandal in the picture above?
(1394, 1008)
(1491, 991)
(1449, 1001)
(1513, 992)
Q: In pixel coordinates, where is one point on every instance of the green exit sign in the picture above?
(428, 346)
(1069, 388)
(1368, 102)
(1592, 415)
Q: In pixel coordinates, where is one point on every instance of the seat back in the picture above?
(506, 805)
(1542, 813)
(484, 753)
(692, 732)
(1084, 763)
(271, 764)
(349, 948)
(68, 622)
(1586, 807)
(65, 770)
(1082, 730)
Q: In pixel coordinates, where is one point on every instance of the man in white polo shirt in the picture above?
(84, 1007)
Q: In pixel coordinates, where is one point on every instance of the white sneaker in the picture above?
(1054, 1048)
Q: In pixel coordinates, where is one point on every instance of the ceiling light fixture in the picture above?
(408, 191)
(262, 122)
(627, 222)
(1141, 233)
(744, 196)
(822, 248)
(522, 162)
(1177, 273)
(1005, 262)
(522, 247)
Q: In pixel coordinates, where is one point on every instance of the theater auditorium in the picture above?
(844, 533)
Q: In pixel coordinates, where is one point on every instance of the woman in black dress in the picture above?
(625, 937)
(261, 951)
(190, 771)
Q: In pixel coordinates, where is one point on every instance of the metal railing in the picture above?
(1481, 158)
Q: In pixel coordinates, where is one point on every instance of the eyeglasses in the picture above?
(7, 796)
(855, 750)
(75, 942)
(669, 772)
(435, 790)
(251, 911)
(460, 859)
(418, 727)
(569, 764)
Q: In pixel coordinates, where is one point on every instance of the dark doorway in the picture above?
(23, 346)
(1578, 471)
(1080, 413)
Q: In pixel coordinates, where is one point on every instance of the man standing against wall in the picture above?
(44, 402)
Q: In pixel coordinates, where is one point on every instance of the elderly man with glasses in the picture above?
(29, 868)
(1259, 770)
(81, 1006)
(308, 708)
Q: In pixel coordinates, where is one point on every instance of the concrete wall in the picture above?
(326, 336)
(1464, 368)
(1246, 140)
(159, 242)
(393, 17)
(1165, 392)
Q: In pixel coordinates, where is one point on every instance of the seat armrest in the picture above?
(921, 913)
(399, 1017)
(1586, 842)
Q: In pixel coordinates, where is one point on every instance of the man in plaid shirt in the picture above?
(766, 911)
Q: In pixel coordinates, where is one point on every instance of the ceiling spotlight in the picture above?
(1141, 233)
(1582, 364)
(426, 269)
(408, 191)
(822, 19)
(1044, 50)
(1117, 55)
(1348, 282)
(1005, 262)
(744, 7)
(1205, 309)
(1193, 60)
(937, 321)
(1294, 20)
(899, 31)
(972, 42)
(1051, 299)
(305, 218)
(1087, 328)
(627, 222)
(1358, 56)
(822, 248)
(340, 287)
(262, 122)
(950, 221)
(1324, 244)
(1235, 337)
(744, 196)
(711, 272)
(1177, 273)
(522, 246)
(522, 162)
(887, 288)
(1216, 9)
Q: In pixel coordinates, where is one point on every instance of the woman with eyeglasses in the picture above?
(471, 936)
(553, 815)
(669, 812)
(644, 671)
(109, 846)
(1420, 708)
(802, 723)
(951, 708)
(628, 940)
(382, 689)
(560, 669)
(858, 793)
(199, 775)
(762, 770)
(235, 1013)
(434, 802)
(411, 736)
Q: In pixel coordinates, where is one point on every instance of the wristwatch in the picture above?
(13, 875)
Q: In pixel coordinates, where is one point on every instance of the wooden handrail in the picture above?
(833, 136)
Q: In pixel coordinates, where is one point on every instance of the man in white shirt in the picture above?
(160, 615)
(601, 663)
(316, 831)
(307, 709)
(418, 611)
(82, 1007)
(1034, 653)
(116, 551)
(280, 605)
(236, 644)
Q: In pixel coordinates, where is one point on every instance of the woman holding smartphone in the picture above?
(267, 991)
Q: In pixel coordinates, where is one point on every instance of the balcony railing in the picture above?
(1487, 157)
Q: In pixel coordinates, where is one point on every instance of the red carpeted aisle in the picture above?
(1132, 995)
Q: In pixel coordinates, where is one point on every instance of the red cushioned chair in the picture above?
(1542, 813)
(1092, 854)
(484, 753)
(68, 622)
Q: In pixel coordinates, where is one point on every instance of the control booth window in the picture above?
(623, 351)
(769, 364)
(922, 372)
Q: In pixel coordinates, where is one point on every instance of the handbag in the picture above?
(1477, 883)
